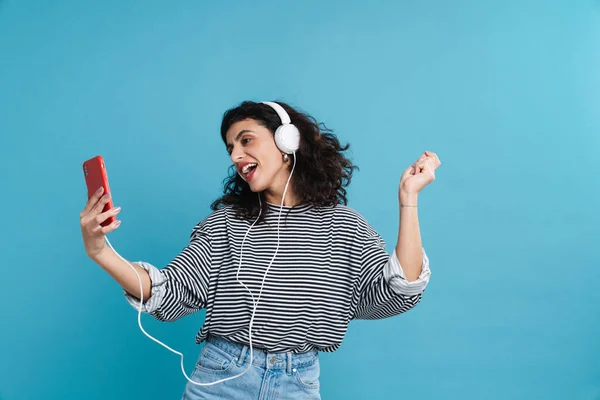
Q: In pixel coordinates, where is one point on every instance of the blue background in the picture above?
(507, 93)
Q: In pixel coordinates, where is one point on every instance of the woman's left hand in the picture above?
(419, 174)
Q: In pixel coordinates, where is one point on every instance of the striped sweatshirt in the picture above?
(331, 267)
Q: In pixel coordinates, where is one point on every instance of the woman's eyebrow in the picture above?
(237, 137)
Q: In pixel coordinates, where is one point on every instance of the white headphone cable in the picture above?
(267, 271)
(237, 277)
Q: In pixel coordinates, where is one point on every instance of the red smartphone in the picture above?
(94, 171)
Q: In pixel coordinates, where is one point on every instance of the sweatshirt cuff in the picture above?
(157, 292)
(395, 277)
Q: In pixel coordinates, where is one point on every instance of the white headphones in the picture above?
(287, 136)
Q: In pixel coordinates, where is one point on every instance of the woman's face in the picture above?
(256, 157)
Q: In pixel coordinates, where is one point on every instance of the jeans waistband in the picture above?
(263, 358)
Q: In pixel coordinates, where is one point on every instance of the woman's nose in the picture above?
(236, 155)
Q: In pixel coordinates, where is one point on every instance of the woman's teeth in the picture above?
(247, 168)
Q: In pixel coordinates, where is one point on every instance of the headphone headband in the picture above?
(283, 115)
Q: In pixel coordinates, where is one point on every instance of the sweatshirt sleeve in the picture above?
(181, 288)
(383, 288)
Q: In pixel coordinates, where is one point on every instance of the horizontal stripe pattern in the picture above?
(331, 267)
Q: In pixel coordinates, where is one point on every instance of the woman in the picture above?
(281, 256)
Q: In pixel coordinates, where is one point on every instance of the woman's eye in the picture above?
(245, 140)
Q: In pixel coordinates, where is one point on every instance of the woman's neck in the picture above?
(291, 200)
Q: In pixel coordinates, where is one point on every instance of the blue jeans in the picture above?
(278, 376)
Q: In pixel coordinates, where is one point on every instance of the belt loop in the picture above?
(289, 362)
(242, 355)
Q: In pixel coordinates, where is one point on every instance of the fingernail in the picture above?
(118, 223)
(117, 209)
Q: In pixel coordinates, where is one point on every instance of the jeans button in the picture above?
(273, 360)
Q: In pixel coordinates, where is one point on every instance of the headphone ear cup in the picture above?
(287, 138)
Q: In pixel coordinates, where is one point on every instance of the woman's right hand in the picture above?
(91, 219)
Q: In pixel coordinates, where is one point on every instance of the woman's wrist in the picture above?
(408, 199)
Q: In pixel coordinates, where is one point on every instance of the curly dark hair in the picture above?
(321, 174)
